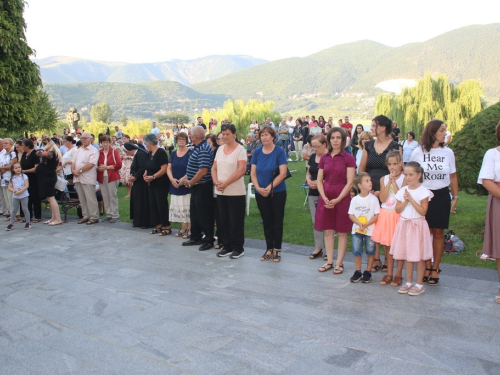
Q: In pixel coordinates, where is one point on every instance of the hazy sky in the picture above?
(161, 30)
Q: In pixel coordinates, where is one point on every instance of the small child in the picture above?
(18, 185)
(386, 224)
(363, 212)
(411, 241)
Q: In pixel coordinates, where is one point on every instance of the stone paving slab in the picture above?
(111, 299)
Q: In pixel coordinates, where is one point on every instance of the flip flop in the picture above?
(52, 223)
(47, 222)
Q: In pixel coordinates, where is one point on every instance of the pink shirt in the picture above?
(84, 156)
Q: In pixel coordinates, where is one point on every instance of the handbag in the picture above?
(61, 183)
(276, 173)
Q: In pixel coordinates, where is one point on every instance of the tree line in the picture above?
(433, 98)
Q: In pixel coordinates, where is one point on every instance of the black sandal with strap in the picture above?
(277, 256)
(154, 231)
(375, 268)
(426, 278)
(435, 280)
(325, 267)
(267, 255)
(165, 232)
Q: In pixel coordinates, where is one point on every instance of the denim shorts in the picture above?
(357, 244)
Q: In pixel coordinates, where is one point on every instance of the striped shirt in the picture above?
(202, 157)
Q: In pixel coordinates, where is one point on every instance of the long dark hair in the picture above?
(429, 135)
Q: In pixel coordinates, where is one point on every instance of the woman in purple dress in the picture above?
(335, 177)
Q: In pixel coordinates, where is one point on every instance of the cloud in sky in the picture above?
(159, 30)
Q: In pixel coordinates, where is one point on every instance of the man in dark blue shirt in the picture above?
(199, 180)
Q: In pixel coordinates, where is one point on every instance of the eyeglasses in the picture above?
(84, 137)
(315, 147)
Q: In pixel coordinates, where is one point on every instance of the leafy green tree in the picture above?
(431, 98)
(101, 112)
(124, 120)
(471, 143)
(20, 81)
(44, 114)
(241, 114)
(172, 117)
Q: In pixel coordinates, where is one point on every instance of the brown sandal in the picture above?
(339, 268)
(267, 255)
(325, 267)
(397, 281)
(386, 280)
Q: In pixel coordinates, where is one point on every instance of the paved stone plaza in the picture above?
(111, 299)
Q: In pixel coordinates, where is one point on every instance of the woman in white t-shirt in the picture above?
(254, 126)
(227, 173)
(489, 177)
(438, 163)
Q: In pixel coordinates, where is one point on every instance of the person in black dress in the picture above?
(139, 195)
(373, 162)
(47, 177)
(29, 160)
(156, 176)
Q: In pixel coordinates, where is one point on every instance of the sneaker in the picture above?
(356, 277)
(114, 220)
(237, 254)
(367, 277)
(414, 291)
(289, 159)
(404, 289)
(27, 226)
(9, 227)
(107, 220)
(224, 253)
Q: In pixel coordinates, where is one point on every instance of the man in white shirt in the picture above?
(155, 130)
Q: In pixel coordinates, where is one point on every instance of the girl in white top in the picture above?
(18, 186)
(411, 241)
(388, 217)
(489, 177)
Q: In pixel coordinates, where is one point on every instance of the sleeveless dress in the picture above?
(375, 165)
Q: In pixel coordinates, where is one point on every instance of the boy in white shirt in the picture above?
(363, 212)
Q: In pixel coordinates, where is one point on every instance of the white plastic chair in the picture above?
(250, 194)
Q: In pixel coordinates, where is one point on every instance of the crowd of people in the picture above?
(386, 192)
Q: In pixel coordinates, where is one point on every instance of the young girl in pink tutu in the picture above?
(411, 241)
(388, 217)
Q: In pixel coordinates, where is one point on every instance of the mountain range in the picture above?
(341, 79)
(61, 69)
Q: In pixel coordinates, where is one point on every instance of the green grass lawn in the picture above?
(468, 222)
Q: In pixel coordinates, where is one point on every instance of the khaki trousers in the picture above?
(88, 200)
(109, 192)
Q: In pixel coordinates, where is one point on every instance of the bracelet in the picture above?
(455, 196)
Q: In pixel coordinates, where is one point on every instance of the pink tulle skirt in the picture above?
(412, 240)
(385, 227)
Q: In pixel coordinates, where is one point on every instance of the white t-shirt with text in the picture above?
(438, 164)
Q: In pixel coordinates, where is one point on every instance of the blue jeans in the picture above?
(357, 244)
(291, 142)
(284, 146)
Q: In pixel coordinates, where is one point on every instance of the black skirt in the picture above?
(438, 213)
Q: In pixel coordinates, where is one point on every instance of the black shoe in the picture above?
(356, 277)
(191, 243)
(237, 254)
(206, 246)
(367, 277)
(224, 253)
